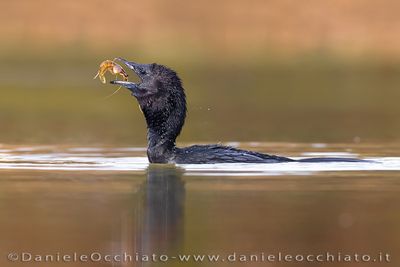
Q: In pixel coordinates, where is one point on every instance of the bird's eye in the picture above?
(143, 72)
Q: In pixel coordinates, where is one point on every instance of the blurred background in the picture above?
(259, 70)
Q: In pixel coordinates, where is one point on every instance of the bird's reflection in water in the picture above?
(161, 229)
(156, 225)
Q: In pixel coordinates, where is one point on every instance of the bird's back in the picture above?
(208, 154)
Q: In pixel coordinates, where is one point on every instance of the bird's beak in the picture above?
(133, 66)
(136, 67)
(128, 85)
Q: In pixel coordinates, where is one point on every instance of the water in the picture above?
(69, 158)
(58, 200)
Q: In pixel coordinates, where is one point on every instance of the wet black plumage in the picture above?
(162, 99)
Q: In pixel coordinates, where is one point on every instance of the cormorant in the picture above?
(162, 99)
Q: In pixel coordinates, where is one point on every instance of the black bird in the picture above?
(162, 99)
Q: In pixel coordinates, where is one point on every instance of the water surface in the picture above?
(109, 200)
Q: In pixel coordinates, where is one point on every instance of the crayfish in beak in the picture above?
(113, 68)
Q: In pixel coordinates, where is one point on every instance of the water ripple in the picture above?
(133, 159)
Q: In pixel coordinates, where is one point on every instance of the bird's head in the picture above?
(156, 81)
(161, 97)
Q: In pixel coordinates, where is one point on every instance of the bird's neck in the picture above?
(164, 125)
(160, 147)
